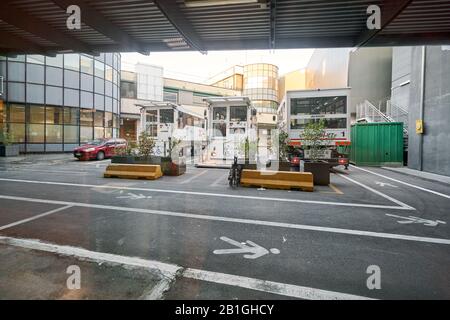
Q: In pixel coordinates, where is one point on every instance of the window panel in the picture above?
(72, 62)
(71, 134)
(219, 129)
(87, 65)
(35, 73)
(53, 115)
(17, 132)
(108, 73)
(219, 113)
(238, 113)
(108, 119)
(86, 134)
(36, 114)
(99, 133)
(98, 118)
(16, 113)
(16, 71)
(166, 115)
(53, 133)
(86, 117)
(71, 116)
(35, 58)
(99, 69)
(56, 61)
(35, 133)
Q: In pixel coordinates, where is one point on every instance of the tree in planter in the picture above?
(5, 138)
(173, 143)
(146, 144)
(127, 150)
(313, 136)
(283, 145)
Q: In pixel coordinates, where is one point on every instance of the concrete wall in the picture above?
(369, 76)
(433, 150)
(328, 68)
(401, 76)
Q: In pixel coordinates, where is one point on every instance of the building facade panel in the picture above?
(48, 104)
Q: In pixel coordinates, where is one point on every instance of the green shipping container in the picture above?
(377, 144)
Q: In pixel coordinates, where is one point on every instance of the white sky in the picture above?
(193, 66)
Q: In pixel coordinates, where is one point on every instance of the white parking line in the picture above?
(237, 220)
(377, 192)
(209, 194)
(34, 217)
(405, 183)
(170, 271)
(194, 177)
(216, 182)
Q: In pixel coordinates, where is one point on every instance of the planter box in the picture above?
(168, 167)
(9, 150)
(320, 171)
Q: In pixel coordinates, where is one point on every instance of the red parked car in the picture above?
(98, 149)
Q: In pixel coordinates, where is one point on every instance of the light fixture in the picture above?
(209, 3)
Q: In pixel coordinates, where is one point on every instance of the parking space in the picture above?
(323, 240)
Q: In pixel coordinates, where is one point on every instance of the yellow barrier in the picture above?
(133, 171)
(278, 180)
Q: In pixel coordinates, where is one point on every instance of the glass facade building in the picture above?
(261, 86)
(53, 104)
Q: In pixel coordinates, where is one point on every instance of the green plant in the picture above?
(173, 143)
(146, 144)
(6, 138)
(127, 150)
(313, 136)
(283, 145)
(248, 148)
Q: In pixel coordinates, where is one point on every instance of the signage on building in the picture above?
(419, 126)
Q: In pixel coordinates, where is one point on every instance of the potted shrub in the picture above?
(313, 136)
(125, 154)
(282, 163)
(168, 165)
(7, 148)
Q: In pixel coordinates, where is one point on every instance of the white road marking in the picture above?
(157, 292)
(252, 250)
(220, 195)
(133, 196)
(382, 184)
(194, 177)
(34, 217)
(404, 205)
(95, 162)
(238, 220)
(216, 182)
(405, 183)
(49, 171)
(165, 269)
(169, 271)
(412, 219)
(283, 289)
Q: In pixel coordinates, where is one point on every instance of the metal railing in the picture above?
(368, 112)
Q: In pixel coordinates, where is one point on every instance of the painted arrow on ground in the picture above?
(412, 219)
(382, 184)
(252, 250)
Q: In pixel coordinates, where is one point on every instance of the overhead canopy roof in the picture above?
(39, 26)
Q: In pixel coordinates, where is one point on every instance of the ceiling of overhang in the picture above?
(39, 26)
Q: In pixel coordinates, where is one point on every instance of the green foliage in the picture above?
(127, 150)
(146, 144)
(173, 144)
(283, 145)
(246, 146)
(6, 138)
(313, 136)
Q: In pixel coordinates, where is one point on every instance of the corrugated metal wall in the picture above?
(377, 144)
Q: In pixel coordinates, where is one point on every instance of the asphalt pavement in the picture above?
(193, 237)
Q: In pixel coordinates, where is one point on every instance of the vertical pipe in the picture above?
(422, 101)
